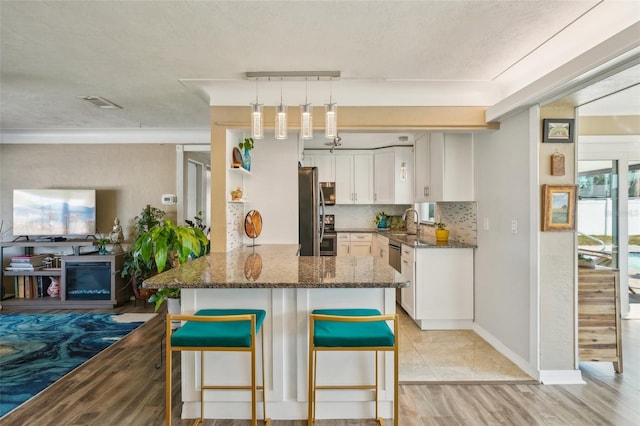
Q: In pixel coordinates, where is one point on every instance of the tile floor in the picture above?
(445, 356)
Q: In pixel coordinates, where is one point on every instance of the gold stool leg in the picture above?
(168, 352)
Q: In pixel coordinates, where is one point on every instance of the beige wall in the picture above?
(126, 177)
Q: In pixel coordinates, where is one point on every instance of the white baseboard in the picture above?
(561, 377)
(522, 363)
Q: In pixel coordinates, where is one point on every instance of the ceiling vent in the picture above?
(100, 102)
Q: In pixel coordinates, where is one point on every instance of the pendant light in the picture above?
(281, 118)
(306, 116)
(257, 128)
(330, 117)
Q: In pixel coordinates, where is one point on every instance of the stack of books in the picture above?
(30, 286)
(28, 262)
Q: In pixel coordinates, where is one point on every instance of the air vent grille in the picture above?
(100, 102)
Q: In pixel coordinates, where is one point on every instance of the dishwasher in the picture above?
(395, 261)
(395, 255)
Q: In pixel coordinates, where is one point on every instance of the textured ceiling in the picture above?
(160, 59)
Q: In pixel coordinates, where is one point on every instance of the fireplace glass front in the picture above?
(88, 280)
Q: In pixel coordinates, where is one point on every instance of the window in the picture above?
(427, 211)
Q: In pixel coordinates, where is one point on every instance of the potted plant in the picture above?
(167, 245)
(442, 233)
(102, 242)
(133, 267)
(381, 220)
(247, 145)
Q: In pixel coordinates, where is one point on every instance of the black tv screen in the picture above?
(51, 212)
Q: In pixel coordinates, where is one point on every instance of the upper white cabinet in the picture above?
(444, 167)
(354, 178)
(326, 164)
(393, 175)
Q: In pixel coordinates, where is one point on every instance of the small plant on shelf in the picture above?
(247, 144)
(440, 225)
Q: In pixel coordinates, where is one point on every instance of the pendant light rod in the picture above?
(292, 75)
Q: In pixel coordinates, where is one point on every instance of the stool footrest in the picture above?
(347, 387)
(238, 387)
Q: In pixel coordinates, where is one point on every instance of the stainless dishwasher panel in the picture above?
(395, 256)
(395, 261)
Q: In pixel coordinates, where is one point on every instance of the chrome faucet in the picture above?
(404, 217)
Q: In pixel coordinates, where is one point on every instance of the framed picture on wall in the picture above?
(557, 130)
(559, 207)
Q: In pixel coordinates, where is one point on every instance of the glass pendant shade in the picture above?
(330, 121)
(281, 122)
(306, 121)
(257, 128)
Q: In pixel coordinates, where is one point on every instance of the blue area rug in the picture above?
(38, 349)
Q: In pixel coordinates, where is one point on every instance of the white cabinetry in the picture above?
(443, 288)
(354, 244)
(344, 244)
(444, 167)
(393, 175)
(354, 178)
(408, 270)
(383, 177)
(326, 164)
(381, 247)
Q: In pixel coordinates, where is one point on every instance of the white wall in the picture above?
(502, 268)
(273, 189)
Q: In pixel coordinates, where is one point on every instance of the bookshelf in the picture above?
(86, 269)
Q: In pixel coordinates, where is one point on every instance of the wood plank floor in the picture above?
(121, 386)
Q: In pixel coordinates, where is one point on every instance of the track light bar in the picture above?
(292, 75)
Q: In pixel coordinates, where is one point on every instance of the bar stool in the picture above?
(352, 330)
(218, 330)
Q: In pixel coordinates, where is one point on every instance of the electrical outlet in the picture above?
(514, 226)
(486, 223)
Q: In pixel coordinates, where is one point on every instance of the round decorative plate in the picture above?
(253, 267)
(253, 224)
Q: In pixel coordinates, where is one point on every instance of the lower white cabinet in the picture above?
(408, 271)
(354, 244)
(381, 247)
(443, 295)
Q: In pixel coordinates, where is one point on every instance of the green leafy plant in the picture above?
(167, 244)
(246, 144)
(133, 267)
(382, 216)
(163, 294)
(440, 225)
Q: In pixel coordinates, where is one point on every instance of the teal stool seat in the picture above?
(218, 330)
(351, 334)
(352, 330)
(233, 334)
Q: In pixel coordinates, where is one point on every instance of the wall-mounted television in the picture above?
(53, 212)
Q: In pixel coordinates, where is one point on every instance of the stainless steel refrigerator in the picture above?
(310, 212)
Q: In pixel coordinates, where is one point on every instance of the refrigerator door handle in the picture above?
(322, 215)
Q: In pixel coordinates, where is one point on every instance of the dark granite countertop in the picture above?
(277, 266)
(408, 239)
(424, 242)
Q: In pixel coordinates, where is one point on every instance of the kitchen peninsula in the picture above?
(288, 287)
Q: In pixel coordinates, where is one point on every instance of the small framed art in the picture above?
(559, 207)
(558, 130)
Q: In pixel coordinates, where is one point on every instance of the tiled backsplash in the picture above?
(461, 220)
(235, 223)
(362, 216)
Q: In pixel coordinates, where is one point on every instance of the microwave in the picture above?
(328, 192)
